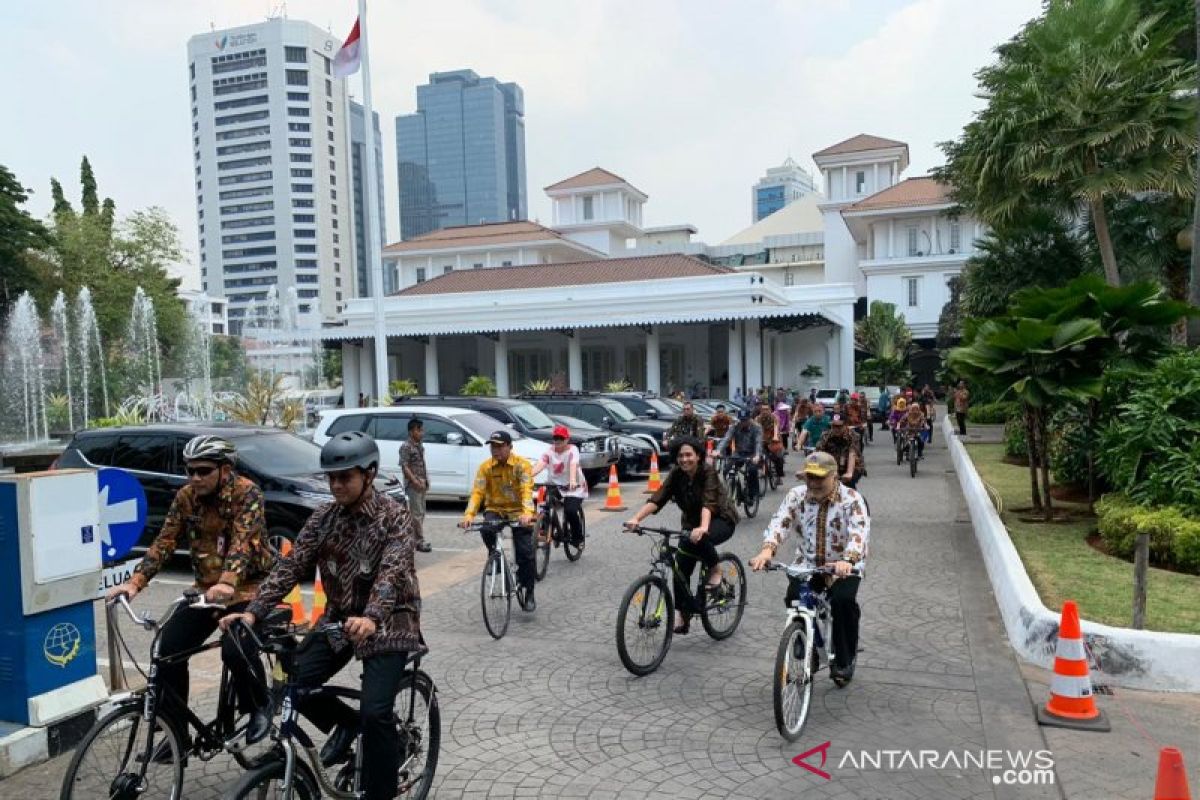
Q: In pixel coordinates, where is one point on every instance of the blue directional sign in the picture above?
(122, 513)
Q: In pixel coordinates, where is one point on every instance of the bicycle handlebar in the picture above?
(192, 598)
(802, 571)
(642, 530)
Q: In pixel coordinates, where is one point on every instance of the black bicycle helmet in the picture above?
(349, 450)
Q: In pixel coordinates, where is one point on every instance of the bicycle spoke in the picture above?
(109, 764)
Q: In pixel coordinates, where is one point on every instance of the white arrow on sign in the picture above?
(115, 514)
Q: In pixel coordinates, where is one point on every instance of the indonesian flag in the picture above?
(349, 57)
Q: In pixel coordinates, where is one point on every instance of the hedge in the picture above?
(1174, 537)
(994, 413)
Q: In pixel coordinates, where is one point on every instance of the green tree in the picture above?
(884, 336)
(1089, 103)
(950, 320)
(331, 366)
(19, 234)
(90, 200)
(228, 362)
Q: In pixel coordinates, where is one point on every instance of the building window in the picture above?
(912, 240)
(587, 207)
(298, 97)
(420, 274)
(295, 55)
(446, 270)
(297, 141)
(297, 77)
(299, 127)
(955, 237)
(912, 291)
(477, 265)
(506, 263)
(788, 278)
(301, 173)
(294, 111)
(860, 182)
(328, 88)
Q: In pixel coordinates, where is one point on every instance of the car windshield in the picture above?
(576, 424)
(531, 416)
(278, 453)
(618, 412)
(482, 425)
(661, 406)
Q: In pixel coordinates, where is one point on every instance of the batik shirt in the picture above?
(835, 530)
(412, 460)
(506, 489)
(840, 447)
(366, 562)
(720, 423)
(766, 420)
(225, 533)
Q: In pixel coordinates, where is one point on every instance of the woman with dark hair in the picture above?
(705, 509)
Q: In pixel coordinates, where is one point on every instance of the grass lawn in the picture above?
(1063, 566)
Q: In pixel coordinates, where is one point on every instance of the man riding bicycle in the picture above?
(363, 543)
(720, 423)
(834, 526)
(504, 491)
(747, 439)
(220, 516)
(687, 425)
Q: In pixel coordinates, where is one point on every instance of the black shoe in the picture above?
(530, 603)
(424, 547)
(683, 628)
(259, 725)
(841, 675)
(337, 747)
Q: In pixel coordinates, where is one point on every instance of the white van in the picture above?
(455, 441)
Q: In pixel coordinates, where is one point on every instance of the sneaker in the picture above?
(424, 547)
(530, 603)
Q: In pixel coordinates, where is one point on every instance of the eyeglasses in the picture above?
(199, 472)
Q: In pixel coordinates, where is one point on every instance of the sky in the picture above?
(689, 100)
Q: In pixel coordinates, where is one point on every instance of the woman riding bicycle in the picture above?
(705, 508)
(914, 423)
(562, 461)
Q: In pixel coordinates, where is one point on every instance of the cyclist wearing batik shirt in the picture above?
(833, 528)
(561, 461)
(687, 425)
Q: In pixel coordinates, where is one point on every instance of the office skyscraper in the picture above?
(461, 156)
(273, 180)
(358, 167)
(780, 186)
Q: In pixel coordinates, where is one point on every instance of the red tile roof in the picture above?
(923, 191)
(855, 144)
(593, 177)
(575, 273)
(496, 233)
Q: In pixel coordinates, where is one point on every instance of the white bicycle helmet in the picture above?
(210, 448)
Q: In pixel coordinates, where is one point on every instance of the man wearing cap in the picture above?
(687, 425)
(833, 528)
(747, 439)
(416, 478)
(503, 490)
(562, 464)
(843, 444)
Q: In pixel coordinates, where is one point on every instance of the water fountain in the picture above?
(141, 343)
(88, 347)
(62, 339)
(23, 367)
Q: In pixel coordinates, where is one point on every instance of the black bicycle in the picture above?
(735, 474)
(137, 749)
(907, 449)
(293, 767)
(551, 530)
(646, 619)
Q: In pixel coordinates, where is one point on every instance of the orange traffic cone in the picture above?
(1071, 704)
(318, 599)
(285, 550)
(655, 479)
(613, 501)
(294, 600)
(1172, 783)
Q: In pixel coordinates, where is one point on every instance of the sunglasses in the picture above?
(199, 472)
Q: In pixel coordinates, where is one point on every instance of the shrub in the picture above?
(994, 413)
(539, 386)
(1174, 536)
(403, 388)
(1014, 438)
(1069, 446)
(479, 386)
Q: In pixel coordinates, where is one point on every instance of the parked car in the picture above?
(633, 454)
(827, 397)
(603, 412)
(320, 400)
(596, 452)
(646, 404)
(455, 440)
(283, 465)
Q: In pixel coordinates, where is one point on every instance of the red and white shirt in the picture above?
(558, 467)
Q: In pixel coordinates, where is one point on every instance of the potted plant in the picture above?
(813, 373)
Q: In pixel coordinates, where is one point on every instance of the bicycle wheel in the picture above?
(722, 611)
(749, 504)
(912, 459)
(494, 595)
(266, 781)
(421, 735)
(109, 760)
(793, 682)
(645, 623)
(541, 547)
(773, 480)
(571, 550)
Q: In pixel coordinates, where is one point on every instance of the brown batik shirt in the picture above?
(412, 461)
(226, 534)
(366, 562)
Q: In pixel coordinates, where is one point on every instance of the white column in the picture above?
(833, 378)
(501, 351)
(366, 370)
(846, 355)
(933, 236)
(431, 366)
(754, 370)
(846, 182)
(350, 385)
(892, 238)
(875, 179)
(778, 377)
(737, 377)
(653, 367)
(575, 362)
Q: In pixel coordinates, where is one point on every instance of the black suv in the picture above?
(283, 465)
(603, 412)
(646, 404)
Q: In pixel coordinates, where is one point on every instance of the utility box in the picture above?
(50, 566)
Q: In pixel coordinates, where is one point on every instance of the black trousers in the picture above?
(843, 601)
(961, 416)
(189, 628)
(316, 663)
(689, 553)
(522, 546)
(573, 514)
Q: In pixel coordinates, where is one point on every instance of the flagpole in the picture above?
(374, 250)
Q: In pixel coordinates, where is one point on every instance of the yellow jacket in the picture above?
(506, 489)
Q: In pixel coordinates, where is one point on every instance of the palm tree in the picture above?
(1088, 103)
(884, 336)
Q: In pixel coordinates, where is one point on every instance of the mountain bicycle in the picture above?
(734, 474)
(551, 530)
(804, 640)
(646, 618)
(138, 748)
(293, 767)
(498, 583)
(907, 449)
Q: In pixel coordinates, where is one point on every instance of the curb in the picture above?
(1126, 657)
(25, 747)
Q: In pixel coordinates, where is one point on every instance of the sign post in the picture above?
(122, 519)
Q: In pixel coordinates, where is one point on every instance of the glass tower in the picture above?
(461, 156)
(358, 166)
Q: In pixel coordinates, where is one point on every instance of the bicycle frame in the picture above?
(663, 564)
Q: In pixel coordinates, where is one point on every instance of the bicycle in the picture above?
(798, 659)
(284, 773)
(497, 585)
(648, 608)
(734, 473)
(551, 529)
(136, 750)
(906, 448)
